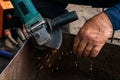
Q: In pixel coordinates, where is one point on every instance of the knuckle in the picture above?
(87, 50)
(85, 55)
(94, 53)
(79, 51)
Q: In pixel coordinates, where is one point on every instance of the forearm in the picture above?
(114, 16)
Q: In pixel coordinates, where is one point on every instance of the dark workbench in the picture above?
(3, 63)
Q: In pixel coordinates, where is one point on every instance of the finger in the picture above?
(95, 51)
(81, 47)
(76, 43)
(87, 50)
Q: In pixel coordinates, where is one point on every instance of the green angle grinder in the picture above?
(43, 32)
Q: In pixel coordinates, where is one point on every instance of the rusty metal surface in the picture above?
(21, 66)
(62, 64)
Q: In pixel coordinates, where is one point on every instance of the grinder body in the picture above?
(43, 32)
(33, 21)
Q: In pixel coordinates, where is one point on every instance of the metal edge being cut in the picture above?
(56, 39)
(14, 57)
(18, 66)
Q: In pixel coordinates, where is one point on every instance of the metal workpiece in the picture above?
(62, 63)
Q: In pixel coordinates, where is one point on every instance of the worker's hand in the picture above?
(92, 36)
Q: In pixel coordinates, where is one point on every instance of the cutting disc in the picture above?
(56, 39)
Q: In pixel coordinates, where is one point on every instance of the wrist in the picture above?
(104, 24)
